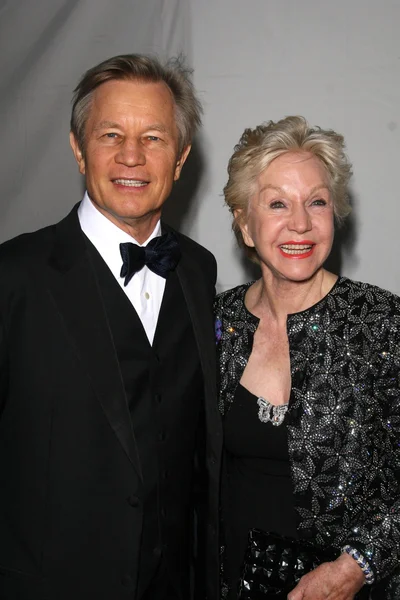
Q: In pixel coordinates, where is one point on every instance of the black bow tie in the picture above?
(161, 255)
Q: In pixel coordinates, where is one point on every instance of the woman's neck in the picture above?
(275, 298)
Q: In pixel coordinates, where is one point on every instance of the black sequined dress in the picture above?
(343, 422)
(258, 491)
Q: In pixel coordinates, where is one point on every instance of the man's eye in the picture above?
(153, 138)
(111, 135)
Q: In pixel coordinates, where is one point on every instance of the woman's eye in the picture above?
(319, 202)
(277, 204)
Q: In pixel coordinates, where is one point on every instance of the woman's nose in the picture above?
(300, 220)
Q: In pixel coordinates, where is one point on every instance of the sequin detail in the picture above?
(343, 419)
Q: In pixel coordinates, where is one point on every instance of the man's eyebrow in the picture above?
(106, 125)
(157, 127)
(113, 125)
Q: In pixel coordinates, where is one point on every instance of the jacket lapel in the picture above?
(74, 288)
(200, 310)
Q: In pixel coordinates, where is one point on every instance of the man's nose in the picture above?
(131, 153)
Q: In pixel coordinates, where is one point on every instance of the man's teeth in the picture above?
(296, 248)
(130, 182)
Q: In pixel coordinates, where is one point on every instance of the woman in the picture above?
(309, 374)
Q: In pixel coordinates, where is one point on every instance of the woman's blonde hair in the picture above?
(258, 147)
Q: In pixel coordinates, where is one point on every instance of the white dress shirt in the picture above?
(145, 290)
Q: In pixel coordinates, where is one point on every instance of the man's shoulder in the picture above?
(33, 247)
(27, 247)
(190, 246)
(23, 259)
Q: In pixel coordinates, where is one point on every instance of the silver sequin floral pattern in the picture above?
(343, 418)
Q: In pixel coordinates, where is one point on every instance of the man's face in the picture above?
(131, 153)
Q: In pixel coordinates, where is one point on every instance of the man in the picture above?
(107, 361)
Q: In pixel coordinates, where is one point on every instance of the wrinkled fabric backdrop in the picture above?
(336, 63)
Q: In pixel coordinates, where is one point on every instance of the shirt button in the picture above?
(158, 398)
(157, 552)
(147, 295)
(161, 436)
(213, 459)
(127, 581)
(133, 501)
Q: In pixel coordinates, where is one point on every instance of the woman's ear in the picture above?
(241, 220)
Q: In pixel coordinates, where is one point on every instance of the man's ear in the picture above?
(77, 153)
(244, 228)
(181, 161)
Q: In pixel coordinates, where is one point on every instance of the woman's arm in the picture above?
(343, 578)
(337, 580)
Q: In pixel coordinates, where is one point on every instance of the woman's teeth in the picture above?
(296, 248)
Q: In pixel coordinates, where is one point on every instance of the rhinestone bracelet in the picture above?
(362, 563)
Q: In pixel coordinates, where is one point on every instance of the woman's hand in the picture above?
(337, 580)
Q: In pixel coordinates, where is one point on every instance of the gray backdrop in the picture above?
(336, 63)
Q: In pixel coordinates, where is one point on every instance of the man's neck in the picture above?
(140, 228)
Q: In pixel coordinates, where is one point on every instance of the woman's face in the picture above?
(289, 218)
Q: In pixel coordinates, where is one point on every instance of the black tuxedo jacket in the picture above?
(69, 468)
